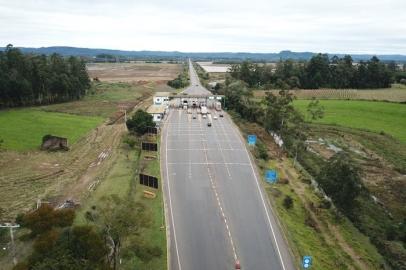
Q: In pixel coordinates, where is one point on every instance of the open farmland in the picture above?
(130, 72)
(395, 94)
(214, 68)
(374, 116)
(106, 99)
(23, 129)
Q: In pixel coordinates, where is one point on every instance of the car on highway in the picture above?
(221, 114)
(209, 124)
(204, 116)
(194, 116)
(215, 117)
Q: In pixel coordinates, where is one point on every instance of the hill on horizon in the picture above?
(227, 56)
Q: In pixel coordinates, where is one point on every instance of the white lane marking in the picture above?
(222, 154)
(226, 134)
(213, 186)
(201, 149)
(170, 199)
(209, 163)
(185, 134)
(262, 198)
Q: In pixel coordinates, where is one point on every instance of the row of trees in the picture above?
(319, 72)
(182, 80)
(276, 114)
(27, 79)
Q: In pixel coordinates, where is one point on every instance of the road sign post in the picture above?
(252, 139)
(271, 176)
(307, 262)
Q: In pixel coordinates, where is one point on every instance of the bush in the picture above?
(140, 122)
(261, 151)
(287, 202)
(45, 218)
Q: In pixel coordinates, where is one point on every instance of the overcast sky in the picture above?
(336, 26)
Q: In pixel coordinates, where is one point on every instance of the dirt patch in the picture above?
(381, 178)
(130, 72)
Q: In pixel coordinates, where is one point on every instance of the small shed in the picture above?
(157, 112)
(161, 98)
(54, 143)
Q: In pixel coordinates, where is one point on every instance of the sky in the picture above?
(334, 26)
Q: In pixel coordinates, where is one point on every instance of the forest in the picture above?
(28, 79)
(320, 71)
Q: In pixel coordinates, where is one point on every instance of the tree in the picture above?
(341, 180)
(116, 218)
(27, 79)
(287, 202)
(278, 110)
(79, 247)
(140, 122)
(315, 110)
(46, 217)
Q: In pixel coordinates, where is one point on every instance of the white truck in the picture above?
(217, 106)
(203, 110)
(209, 121)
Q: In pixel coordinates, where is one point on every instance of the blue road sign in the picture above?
(252, 139)
(307, 262)
(271, 176)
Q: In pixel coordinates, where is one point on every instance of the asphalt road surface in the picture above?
(195, 87)
(216, 210)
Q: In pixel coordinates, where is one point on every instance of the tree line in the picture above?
(182, 80)
(27, 79)
(319, 72)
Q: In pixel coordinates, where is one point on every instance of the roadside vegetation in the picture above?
(182, 80)
(348, 214)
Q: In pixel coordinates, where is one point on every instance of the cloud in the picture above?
(345, 26)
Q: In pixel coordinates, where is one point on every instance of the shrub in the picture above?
(140, 122)
(287, 202)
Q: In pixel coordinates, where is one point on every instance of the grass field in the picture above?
(397, 93)
(23, 129)
(374, 116)
(105, 99)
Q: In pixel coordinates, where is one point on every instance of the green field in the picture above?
(389, 118)
(23, 129)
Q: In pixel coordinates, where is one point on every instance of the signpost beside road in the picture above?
(307, 262)
(252, 139)
(271, 176)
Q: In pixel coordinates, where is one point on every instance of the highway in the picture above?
(216, 211)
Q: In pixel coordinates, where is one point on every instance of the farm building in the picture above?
(161, 98)
(157, 112)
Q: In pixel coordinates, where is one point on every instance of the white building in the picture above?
(157, 112)
(161, 98)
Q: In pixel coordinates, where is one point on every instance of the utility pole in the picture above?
(11, 226)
